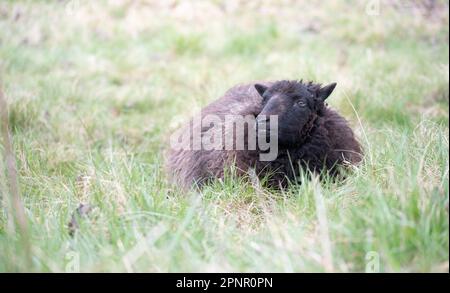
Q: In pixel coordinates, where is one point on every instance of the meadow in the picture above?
(93, 90)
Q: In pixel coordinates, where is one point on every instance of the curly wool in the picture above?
(326, 143)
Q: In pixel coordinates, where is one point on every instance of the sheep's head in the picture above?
(295, 103)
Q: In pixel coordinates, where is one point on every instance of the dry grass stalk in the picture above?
(15, 206)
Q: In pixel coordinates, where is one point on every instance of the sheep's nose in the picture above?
(262, 123)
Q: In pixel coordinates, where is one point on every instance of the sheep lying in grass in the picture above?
(310, 136)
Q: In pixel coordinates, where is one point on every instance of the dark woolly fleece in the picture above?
(324, 142)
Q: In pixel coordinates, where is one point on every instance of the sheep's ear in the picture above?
(261, 89)
(325, 92)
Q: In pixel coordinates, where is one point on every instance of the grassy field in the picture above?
(94, 88)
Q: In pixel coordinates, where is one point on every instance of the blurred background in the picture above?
(94, 88)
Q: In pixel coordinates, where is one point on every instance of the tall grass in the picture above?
(94, 89)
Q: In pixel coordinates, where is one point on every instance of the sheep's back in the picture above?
(186, 167)
(344, 144)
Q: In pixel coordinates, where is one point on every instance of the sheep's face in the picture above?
(295, 104)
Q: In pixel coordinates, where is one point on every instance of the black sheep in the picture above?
(311, 136)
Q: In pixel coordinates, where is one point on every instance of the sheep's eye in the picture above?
(301, 103)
